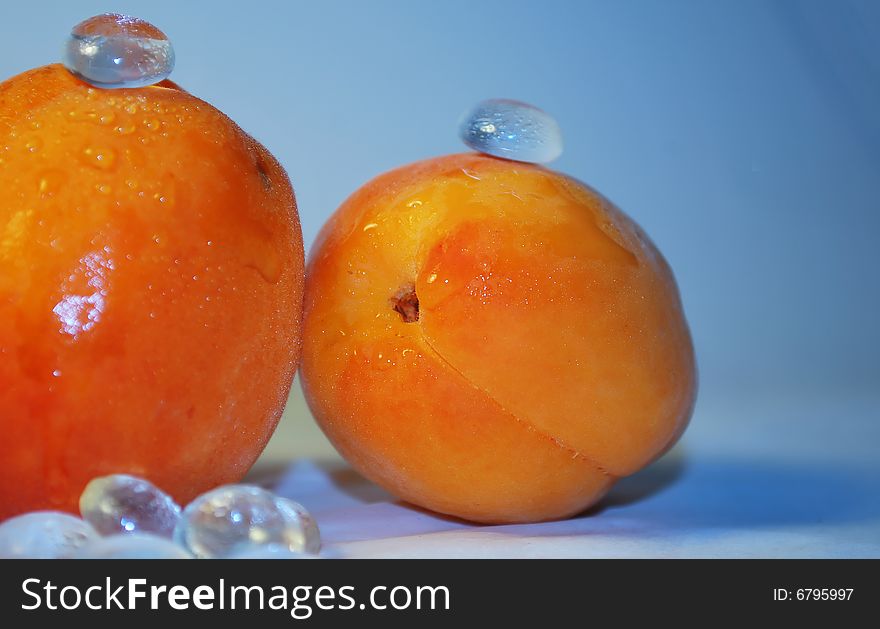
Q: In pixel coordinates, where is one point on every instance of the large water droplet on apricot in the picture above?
(113, 50)
(512, 130)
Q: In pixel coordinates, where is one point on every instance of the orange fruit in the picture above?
(151, 278)
(493, 340)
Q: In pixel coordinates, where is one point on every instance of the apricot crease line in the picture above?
(559, 444)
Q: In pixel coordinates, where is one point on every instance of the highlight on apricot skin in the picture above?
(151, 279)
(493, 340)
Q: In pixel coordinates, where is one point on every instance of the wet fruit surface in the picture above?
(493, 340)
(150, 290)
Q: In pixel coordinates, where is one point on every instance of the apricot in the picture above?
(151, 278)
(493, 340)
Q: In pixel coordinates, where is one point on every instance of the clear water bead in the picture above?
(113, 50)
(43, 535)
(137, 546)
(512, 130)
(126, 504)
(232, 518)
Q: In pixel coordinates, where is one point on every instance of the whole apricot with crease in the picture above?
(151, 278)
(493, 340)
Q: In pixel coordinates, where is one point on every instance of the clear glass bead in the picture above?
(136, 546)
(226, 520)
(44, 535)
(112, 50)
(512, 130)
(127, 504)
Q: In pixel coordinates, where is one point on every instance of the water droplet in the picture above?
(51, 180)
(126, 504)
(138, 546)
(43, 535)
(124, 128)
(512, 130)
(99, 157)
(229, 519)
(113, 50)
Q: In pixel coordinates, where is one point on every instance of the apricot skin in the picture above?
(549, 357)
(151, 277)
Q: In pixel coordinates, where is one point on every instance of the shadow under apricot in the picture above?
(709, 492)
(643, 484)
(685, 491)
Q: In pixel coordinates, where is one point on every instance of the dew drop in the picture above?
(101, 158)
(512, 130)
(113, 50)
(51, 181)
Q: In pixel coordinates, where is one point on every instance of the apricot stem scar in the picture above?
(406, 303)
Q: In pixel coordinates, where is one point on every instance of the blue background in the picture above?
(744, 137)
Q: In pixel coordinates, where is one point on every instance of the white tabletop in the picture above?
(774, 476)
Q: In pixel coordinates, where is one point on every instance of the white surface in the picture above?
(777, 477)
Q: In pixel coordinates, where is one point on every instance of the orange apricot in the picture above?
(493, 340)
(151, 279)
